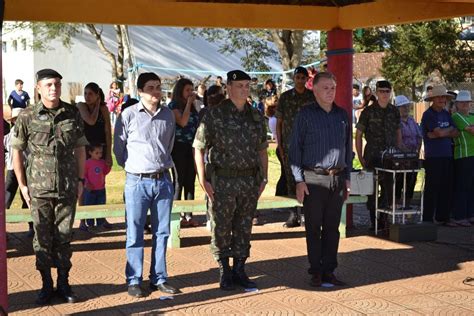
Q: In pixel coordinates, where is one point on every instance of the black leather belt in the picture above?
(325, 172)
(152, 175)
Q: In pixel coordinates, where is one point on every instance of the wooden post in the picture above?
(340, 63)
(3, 230)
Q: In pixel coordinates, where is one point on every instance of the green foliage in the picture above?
(417, 50)
(44, 32)
(254, 43)
(371, 40)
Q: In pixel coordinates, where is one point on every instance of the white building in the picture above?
(167, 47)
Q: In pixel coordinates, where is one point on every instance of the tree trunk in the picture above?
(290, 48)
(120, 59)
(129, 61)
(108, 54)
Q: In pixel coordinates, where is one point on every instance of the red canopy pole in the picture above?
(3, 231)
(340, 63)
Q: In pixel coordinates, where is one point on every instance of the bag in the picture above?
(362, 183)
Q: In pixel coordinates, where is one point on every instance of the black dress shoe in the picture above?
(315, 280)
(165, 288)
(135, 291)
(331, 278)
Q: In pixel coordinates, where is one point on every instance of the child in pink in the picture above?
(94, 187)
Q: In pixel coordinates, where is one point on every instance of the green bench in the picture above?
(195, 206)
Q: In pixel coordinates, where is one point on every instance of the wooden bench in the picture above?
(195, 206)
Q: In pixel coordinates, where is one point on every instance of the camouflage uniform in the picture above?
(379, 127)
(289, 104)
(50, 137)
(234, 140)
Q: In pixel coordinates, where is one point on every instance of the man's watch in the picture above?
(82, 180)
(265, 180)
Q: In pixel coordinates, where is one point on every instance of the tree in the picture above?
(259, 46)
(44, 33)
(370, 40)
(417, 50)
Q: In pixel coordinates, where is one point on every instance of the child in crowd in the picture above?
(94, 187)
(18, 98)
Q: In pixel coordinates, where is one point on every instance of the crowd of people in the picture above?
(59, 155)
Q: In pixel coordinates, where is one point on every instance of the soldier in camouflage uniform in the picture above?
(289, 104)
(235, 135)
(52, 133)
(380, 125)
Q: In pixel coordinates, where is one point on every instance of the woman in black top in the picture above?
(98, 130)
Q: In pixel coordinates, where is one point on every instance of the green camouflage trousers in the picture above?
(52, 221)
(235, 204)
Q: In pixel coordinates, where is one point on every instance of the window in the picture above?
(14, 45)
(23, 43)
(4, 47)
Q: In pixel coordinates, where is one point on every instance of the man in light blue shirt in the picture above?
(143, 141)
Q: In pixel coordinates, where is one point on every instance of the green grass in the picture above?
(115, 181)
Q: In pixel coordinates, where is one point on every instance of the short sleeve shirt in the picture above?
(234, 139)
(464, 143)
(436, 147)
(289, 104)
(19, 100)
(379, 127)
(186, 134)
(50, 137)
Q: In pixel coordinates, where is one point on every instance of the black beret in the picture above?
(47, 74)
(383, 84)
(237, 75)
(300, 70)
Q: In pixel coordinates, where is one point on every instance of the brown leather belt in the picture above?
(152, 175)
(326, 172)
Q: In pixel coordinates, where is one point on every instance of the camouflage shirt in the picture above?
(379, 127)
(233, 138)
(50, 137)
(289, 104)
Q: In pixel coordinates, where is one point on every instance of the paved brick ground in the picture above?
(384, 277)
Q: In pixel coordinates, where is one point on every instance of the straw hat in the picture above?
(401, 100)
(463, 96)
(439, 91)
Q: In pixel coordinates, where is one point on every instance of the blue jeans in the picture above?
(94, 197)
(143, 194)
(464, 188)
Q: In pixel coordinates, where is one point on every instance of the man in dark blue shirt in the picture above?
(321, 159)
(18, 98)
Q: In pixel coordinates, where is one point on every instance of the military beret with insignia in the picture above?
(47, 74)
(237, 75)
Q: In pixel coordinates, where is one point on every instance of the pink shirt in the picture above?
(95, 173)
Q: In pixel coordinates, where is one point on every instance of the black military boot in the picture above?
(239, 276)
(64, 290)
(46, 293)
(292, 220)
(225, 282)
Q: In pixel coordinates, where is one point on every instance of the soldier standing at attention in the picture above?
(380, 124)
(52, 132)
(236, 175)
(289, 104)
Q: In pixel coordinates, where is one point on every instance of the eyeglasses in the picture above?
(384, 90)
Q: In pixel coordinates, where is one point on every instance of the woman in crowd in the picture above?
(411, 140)
(97, 129)
(464, 161)
(187, 119)
(367, 99)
